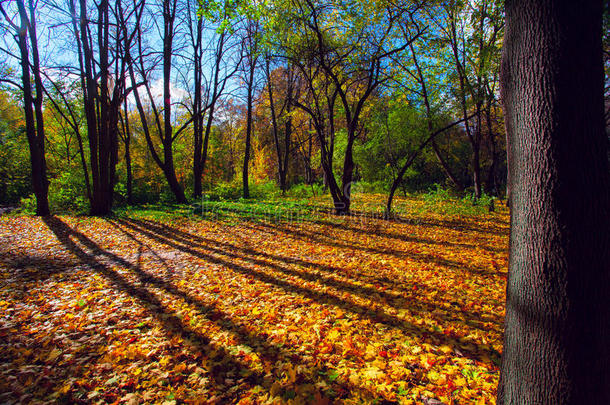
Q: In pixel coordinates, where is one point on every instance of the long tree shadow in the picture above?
(377, 230)
(28, 368)
(321, 238)
(312, 213)
(478, 353)
(173, 324)
(406, 298)
(29, 267)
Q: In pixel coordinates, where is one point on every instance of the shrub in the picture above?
(440, 200)
(303, 190)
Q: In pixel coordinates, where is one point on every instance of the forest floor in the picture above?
(280, 303)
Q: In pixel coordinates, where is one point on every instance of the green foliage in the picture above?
(442, 200)
(303, 190)
(395, 132)
(67, 193)
(233, 191)
(27, 204)
(373, 187)
(14, 152)
(437, 194)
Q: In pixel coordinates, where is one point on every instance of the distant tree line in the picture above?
(131, 101)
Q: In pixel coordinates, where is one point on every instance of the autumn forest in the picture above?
(304, 202)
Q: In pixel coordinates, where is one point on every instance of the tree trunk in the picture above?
(557, 325)
(169, 14)
(33, 116)
(246, 188)
(476, 168)
(127, 155)
(251, 67)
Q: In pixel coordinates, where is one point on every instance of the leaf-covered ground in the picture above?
(151, 308)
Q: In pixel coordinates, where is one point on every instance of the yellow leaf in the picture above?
(53, 355)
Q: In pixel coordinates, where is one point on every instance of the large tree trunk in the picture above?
(557, 325)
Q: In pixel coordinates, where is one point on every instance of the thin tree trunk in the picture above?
(492, 183)
(557, 325)
(127, 144)
(246, 188)
(169, 14)
(252, 50)
(409, 162)
(435, 148)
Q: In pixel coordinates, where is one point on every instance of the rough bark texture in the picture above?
(557, 326)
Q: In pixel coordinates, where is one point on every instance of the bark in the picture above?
(101, 106)
(557, 324)
(252, 50)
(32, 104)
(169, 15)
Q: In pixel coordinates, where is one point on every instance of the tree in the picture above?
(251, 47)
(280, 108)
(126, 138)
(472, 32)
(207, 93)
(102, 41)
(351, 44)
(162, 118)
(557, 325)
(15, 173)
(27, 41)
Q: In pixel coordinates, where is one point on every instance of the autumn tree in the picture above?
(251, 49)
(104, 35)
(161, 130)
(280, 88)
(557, 324)
(209, 81)
(471, 33)
(352, 56)
(29, 60)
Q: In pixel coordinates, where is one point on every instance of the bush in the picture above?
(303, 190)
(234, 191)
(441, 200)
(28, 204)
(437, 194)
(225, 191)
(67, 193)
(264, 190)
